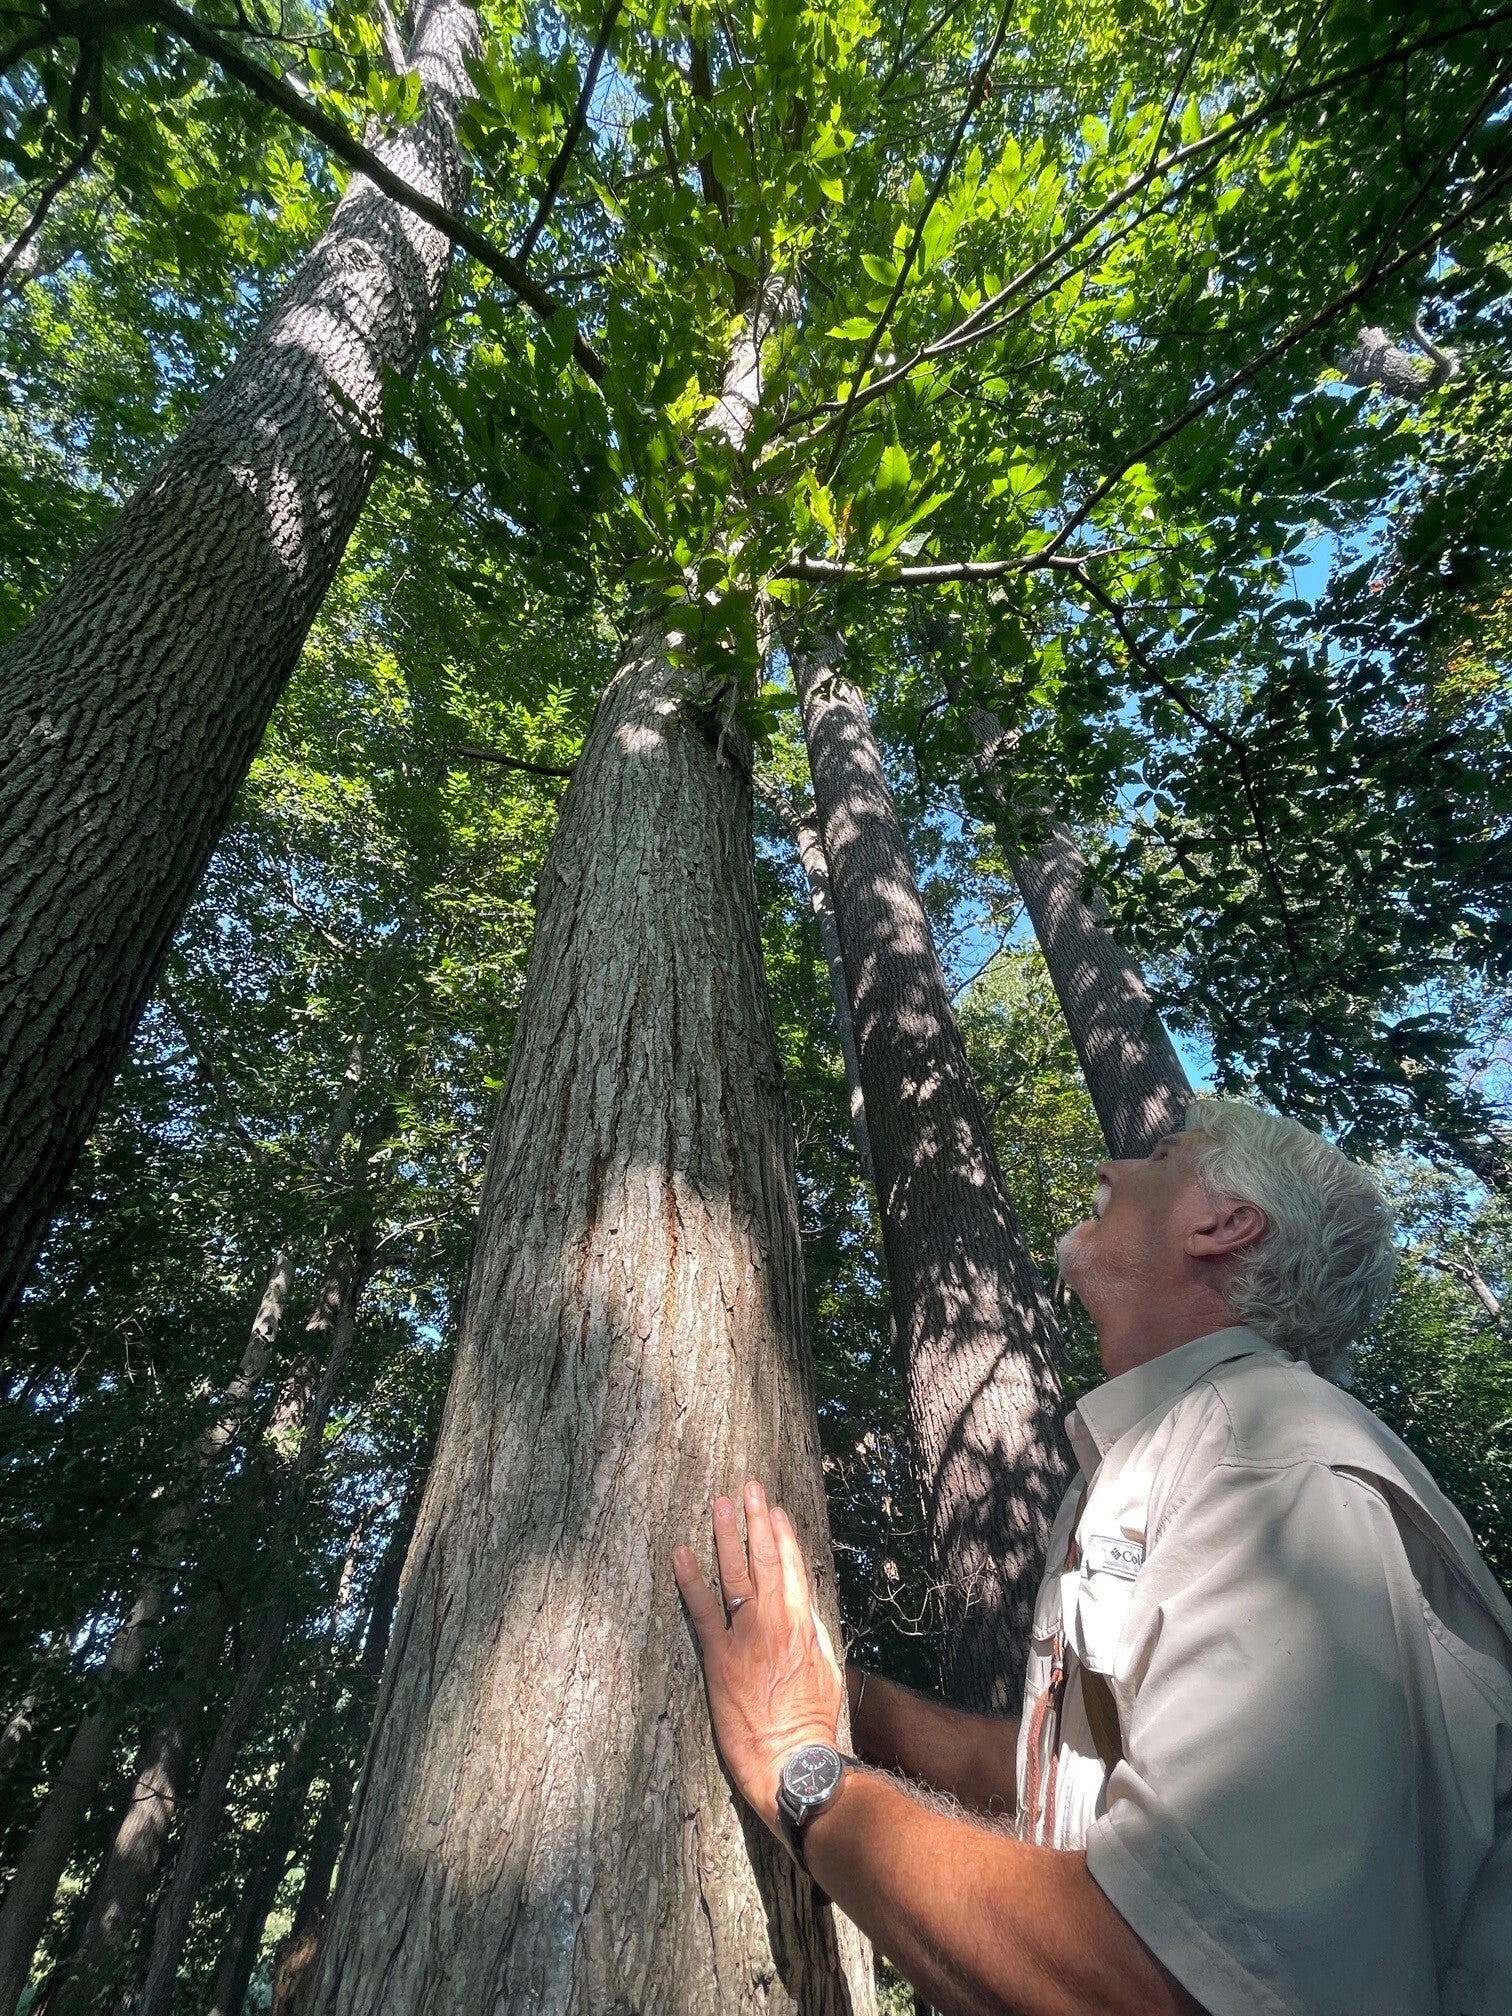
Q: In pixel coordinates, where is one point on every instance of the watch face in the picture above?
(812, 1773)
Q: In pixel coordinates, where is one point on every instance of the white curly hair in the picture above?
(1318, 1276)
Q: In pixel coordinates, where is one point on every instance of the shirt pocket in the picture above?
(1098, 1600)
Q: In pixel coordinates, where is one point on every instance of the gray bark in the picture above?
(1374, 359)
(809, 848)
(1133, 1074)
(29, 1899)
(542, 1821)
(134, 701)
(974, 1330)
(310, 1390)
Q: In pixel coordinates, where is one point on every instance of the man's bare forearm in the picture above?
(981, 1924)
(970, 1757)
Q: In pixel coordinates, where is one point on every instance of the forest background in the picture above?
(1138, 386)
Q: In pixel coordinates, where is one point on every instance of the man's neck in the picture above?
(1127, 1336)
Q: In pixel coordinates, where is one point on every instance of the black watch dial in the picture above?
(811, 1774)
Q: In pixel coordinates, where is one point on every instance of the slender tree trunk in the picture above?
(294, 1963)
(809, 848)
(974, 1330)
(311, 1387)
(1138, 1086)
(29, 1900)
(130, 1865)
(259, 1887)
(134, 701)
(542, 1822)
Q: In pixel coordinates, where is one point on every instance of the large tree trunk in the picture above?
(29, 1900)
(809, 848)
(974, 1330)
(1132, 1071)
(294, 1963)
(134, 701)
(542, 1822)
(314, 1379)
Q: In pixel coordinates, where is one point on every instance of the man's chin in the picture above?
(1069, 1258)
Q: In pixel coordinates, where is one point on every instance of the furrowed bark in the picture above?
(1133, 1074)
(974, 1331)
(1374, 360)
(29, 1900)
(809, 848)
(328, 1340)
(295, 1961)
(542, 1821)
(134, 701)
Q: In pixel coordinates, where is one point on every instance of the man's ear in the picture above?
(1226, 1231)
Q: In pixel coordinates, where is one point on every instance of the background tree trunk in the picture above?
(1133, 1074)
(974, 1330)
(29, 1899)
(328, 1336)
(295, 1961)
(542, 1821)
(134, 701)
(809, 848)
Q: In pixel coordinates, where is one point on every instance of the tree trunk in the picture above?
(1375, 360)
(243, 1939)
(130, 1865)
(332, 1323)
(134, 701)
(1133, 1074)
(974, 1330)
(809, 848)
(542, 1822)
(29, 1900)
(294, 1963)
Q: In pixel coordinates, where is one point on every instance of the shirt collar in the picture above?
(1112, 1409)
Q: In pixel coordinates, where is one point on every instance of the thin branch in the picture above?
(980, 79)
(16, 250)
(575, 129)
(473, 754)
(971, 328)
(1236, 748)
(274, 91)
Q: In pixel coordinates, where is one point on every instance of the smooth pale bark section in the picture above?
(1133, 1074)
(29, 1899)
(974, 1330)
(133, 702)
(542, 1822)
(809, 848)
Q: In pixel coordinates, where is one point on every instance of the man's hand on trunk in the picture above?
(773, 1680)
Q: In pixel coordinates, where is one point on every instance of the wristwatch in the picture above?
(810, 1779)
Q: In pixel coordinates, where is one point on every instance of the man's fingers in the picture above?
(703, 1606)
(795, 1582)
(734, 1574)
(761, 1542)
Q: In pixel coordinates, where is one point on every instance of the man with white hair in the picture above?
(1265, 1758)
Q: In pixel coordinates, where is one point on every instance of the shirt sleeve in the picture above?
(1262, 1834)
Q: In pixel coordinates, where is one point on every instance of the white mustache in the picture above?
(1100, 1198)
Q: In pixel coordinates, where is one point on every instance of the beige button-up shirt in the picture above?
(1305, 1801)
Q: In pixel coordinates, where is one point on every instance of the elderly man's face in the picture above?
(1142, 1214)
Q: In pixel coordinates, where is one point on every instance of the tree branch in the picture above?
(274, 91)
(575, 128)
(472, 754)
(15, 251)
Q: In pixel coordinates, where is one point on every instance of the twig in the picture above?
(50, 194)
